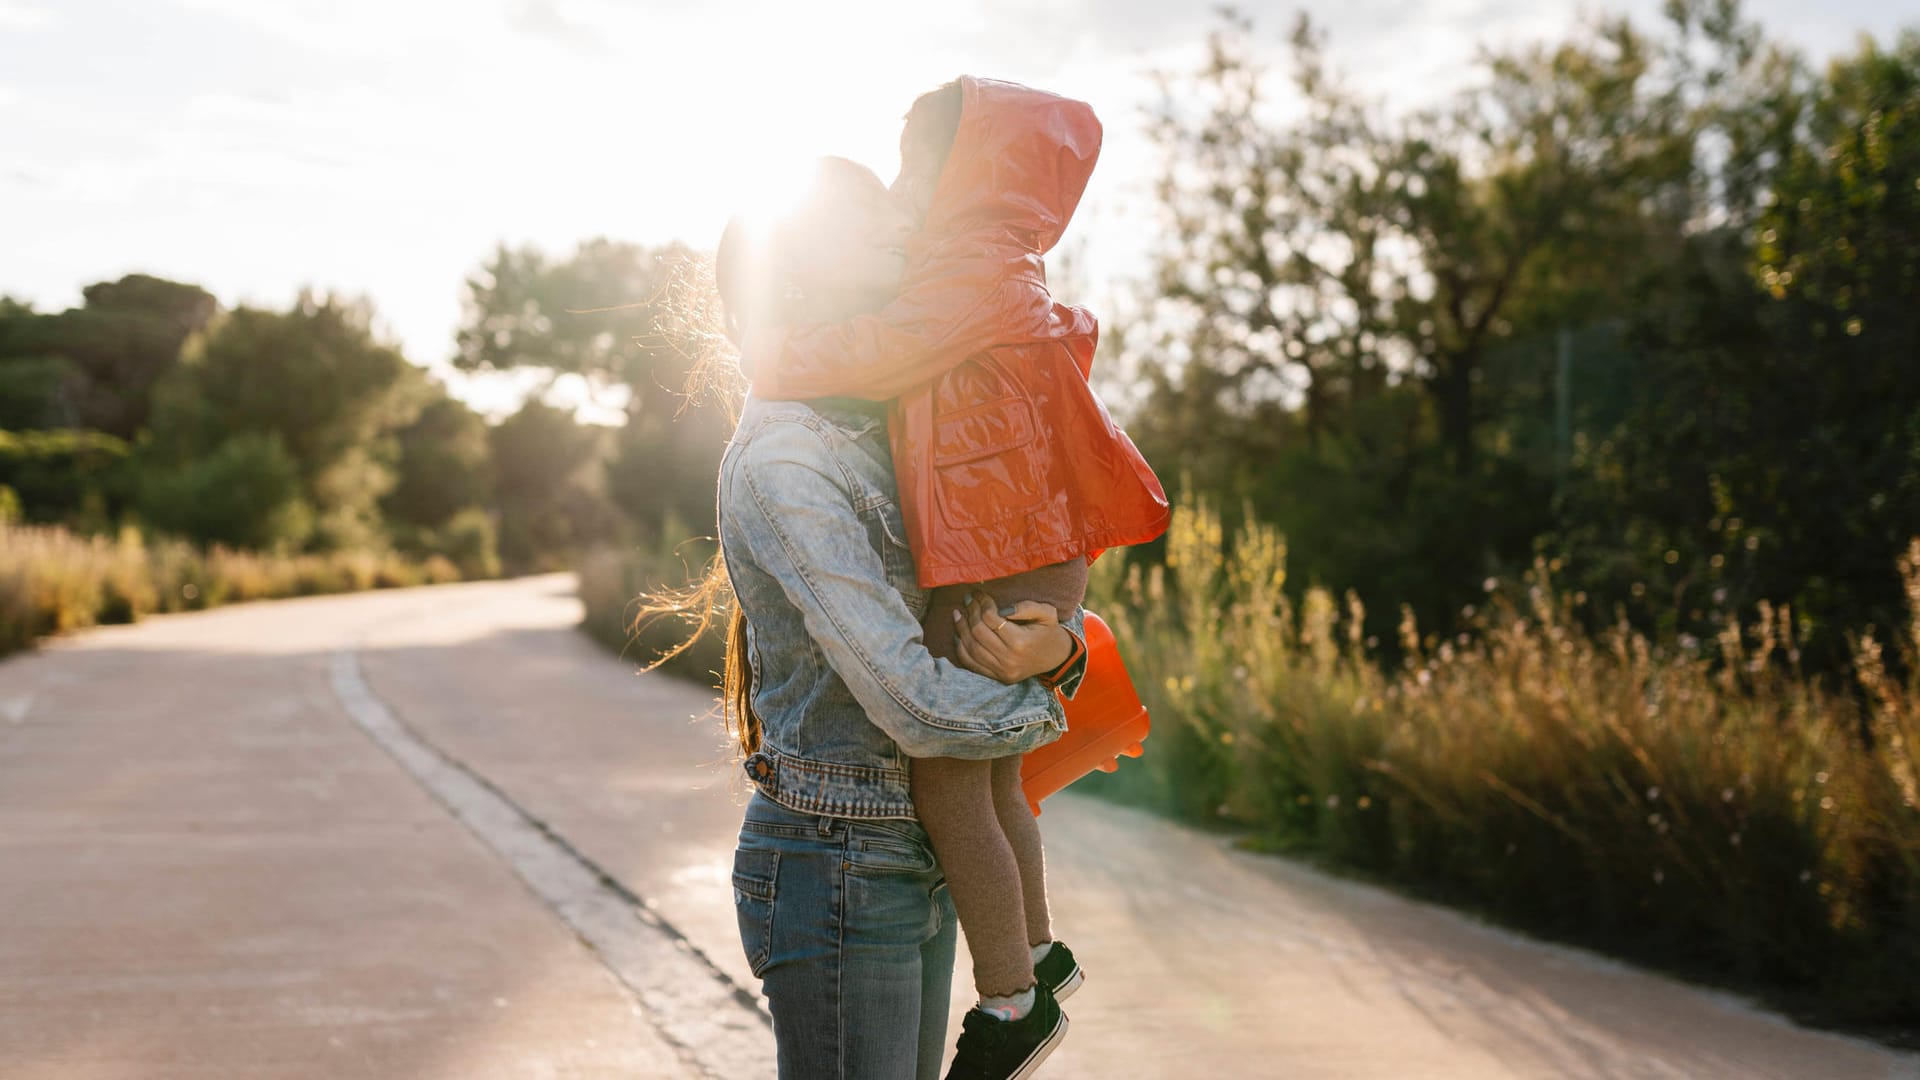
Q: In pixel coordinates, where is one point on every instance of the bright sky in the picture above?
(382, 147)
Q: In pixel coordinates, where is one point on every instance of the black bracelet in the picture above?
(1052, 679)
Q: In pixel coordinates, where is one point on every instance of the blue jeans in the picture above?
(849, 926)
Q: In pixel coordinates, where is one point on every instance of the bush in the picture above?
(611, 582)
(53, 473)
(246, 494)
(1728, 819)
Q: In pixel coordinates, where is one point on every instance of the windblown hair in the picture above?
(696, 320)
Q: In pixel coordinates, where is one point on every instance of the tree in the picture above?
(95, 366)
(1773, 450)
(547, 486)
(444, 465)
(315, 378)
(1351, 294)
(600, 314)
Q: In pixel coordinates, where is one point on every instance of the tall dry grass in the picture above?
(53, 580)
(1726, 816)
(612, 581)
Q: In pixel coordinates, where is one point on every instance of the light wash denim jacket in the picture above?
(845, 690)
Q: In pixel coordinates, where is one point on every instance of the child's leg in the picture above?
(955, 801)
(1022, 830)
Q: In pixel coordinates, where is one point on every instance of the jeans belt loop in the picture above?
(826, 825)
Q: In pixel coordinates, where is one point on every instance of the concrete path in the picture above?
(218, 859)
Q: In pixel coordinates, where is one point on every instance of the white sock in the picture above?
(1041, 950)
(1010, 1007)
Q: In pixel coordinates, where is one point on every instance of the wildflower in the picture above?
(1226, 738)
(1489, 584)
(1820, 777)
(1734, 839)
(1653, 793)
(1333, 802)
(1726, 794)
(1826, 803)
(1659, 877)
(1653, 820)
(1364, 802)
(1806, 876)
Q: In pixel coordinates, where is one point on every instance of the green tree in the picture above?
(316, 378)
(246, 493)
(1773, 450)
(95, 366)
(1351, 297)
(548, 486)
(599, 315)
(444, 466)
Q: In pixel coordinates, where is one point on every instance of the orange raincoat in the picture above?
(1006, 459)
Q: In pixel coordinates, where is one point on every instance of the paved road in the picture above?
(437, 833)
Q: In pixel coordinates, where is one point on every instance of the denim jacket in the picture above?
(845, 690)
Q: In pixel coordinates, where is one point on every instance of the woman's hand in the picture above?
(1028, 642)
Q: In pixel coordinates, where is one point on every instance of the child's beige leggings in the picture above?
(986, 839)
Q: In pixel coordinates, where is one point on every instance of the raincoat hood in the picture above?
(1021, 159)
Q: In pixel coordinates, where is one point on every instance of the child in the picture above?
(1012, 477)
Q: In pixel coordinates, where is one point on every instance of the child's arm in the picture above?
(927, 331)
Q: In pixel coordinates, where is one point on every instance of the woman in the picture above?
(842, 910)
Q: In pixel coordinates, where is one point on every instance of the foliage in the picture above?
(315, 378)
(95, 366)
(444, 465)
(1773, 447)
(605, 314)
(547, 486)
(247, 493)
(53, 580)
(1361, 312)
(1601, 788)
(56, 473)
(612, 580)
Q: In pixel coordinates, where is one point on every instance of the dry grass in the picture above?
(1724, 817)
(53, 580)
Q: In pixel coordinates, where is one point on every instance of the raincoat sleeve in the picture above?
(919, 337)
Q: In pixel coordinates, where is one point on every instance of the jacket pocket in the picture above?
(984, 464)
(755, 877)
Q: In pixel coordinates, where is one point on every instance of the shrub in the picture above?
(1731, 818)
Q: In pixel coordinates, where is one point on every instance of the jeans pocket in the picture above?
(755, 876)
(886, 852)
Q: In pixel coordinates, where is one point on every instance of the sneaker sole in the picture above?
(1034, 1060)
(1070, 984)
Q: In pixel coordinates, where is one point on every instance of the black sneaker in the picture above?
(995, 1049)
(1060, 972)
